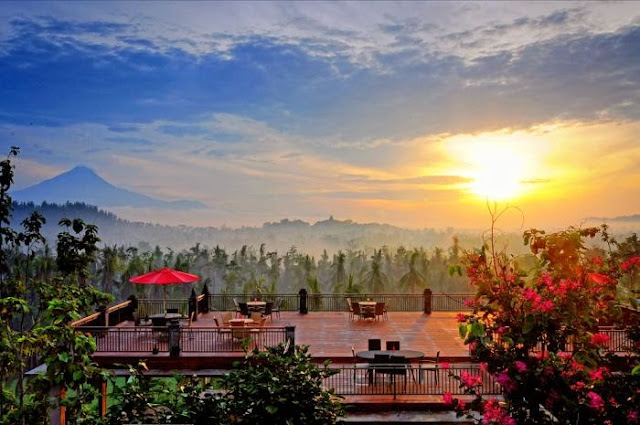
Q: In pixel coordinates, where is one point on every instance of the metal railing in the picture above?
(407, 379)
(140, 339)
(148, 339)
(337, 302)
(230, 339)
(147, 307)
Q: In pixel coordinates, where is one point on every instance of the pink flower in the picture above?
(446, 397)
(521, 366)
(469, 380)
(461, 317)
(596, 260)
(445, 365)
(633, 416)
(546, 306)
(494, 413)
(599, 339)
(595, 401)
(484, 366)
(505, 381)
(633, 261)
(598, 374)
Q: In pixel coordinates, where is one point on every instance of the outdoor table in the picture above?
(245, 322)
(238, 327)
(256, 305)
(407, 354)
(162, 319)
(367, 309)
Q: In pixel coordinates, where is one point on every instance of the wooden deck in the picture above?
(330, 335)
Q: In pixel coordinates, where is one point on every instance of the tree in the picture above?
(537, 333)
(280, 385)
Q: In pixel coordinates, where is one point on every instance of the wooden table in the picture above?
(240, 322)
(256, 305)
(367, 309)
(162, 319)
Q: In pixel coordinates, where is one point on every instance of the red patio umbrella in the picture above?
(164, 276)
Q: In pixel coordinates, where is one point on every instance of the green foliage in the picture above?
(36, 312)
(278, 386)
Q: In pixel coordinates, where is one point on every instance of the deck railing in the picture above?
(150, 339)
(409, 379)
(337, 302)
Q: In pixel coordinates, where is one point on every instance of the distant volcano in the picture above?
(82, 184)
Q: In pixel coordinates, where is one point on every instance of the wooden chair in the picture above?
(244, 309)
(379, 311)
(256, 316)
(375, 344)
(225, 317)
(268, 310)
(356, 310)
(393, 345)
(256, 330)
(350, 308)
(429, 366)
(277, 307)
(223, 332)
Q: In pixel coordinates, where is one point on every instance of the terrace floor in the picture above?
(330, 335)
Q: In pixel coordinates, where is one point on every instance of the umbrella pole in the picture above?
(164, 288)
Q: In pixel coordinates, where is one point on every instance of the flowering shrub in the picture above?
(537, 332)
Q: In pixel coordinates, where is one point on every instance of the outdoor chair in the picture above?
(223, 332)
(356, 310)
(237, 306)
(226, 316)
(358, 366)
(350, 308)
(256, 331)
(268, 310)
(375, 344)
(256, 316)
(426, 366)
(244, 309)
(240, 333)
(393, 345)
(379, 309)
(277, 307)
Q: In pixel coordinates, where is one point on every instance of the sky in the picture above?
(409, 113)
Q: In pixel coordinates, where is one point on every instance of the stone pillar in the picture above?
(205, 303)
(193, 305)
(427, 301)
(303, 301)
(290, 335)
(174, 338)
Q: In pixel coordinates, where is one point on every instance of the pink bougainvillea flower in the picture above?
(469, 380)
(461, 317)
(598, 374)
(521, 366)
(447, 398)
(484, 366)
(445, 365)
(632, 417)
(597, 260)
(600, 278)
(600, 339)
(495, 414)
(595, 401)
(631, 262)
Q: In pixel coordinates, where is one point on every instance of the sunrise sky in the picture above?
(403, 113)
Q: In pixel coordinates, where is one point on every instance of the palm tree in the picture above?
(375, 280)
(412, 281)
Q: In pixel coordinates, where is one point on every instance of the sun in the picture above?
(496, 171)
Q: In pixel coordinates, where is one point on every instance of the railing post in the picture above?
(133, 307)
(290, 334)
(174, 339)
(427, 300)
(205, 302)
(303, 301)
(103, 319)
(193, 305)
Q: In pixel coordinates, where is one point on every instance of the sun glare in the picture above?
(495, 163)
(497, 173)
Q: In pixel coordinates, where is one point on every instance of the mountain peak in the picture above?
(82, 184)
